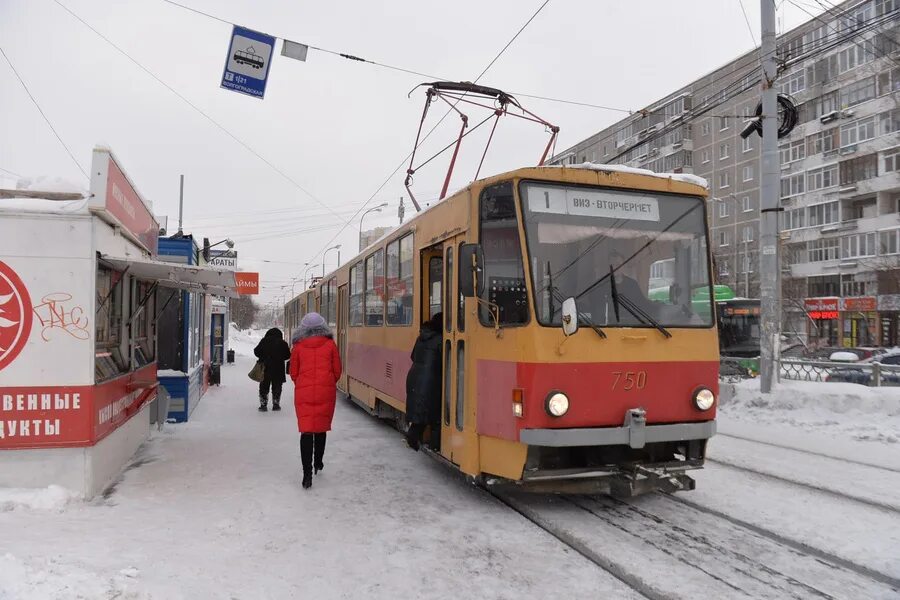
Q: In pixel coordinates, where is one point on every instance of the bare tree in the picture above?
(243, 311)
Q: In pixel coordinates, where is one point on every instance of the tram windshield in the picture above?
(629, 258)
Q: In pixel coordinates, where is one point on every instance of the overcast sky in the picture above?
(337, 128)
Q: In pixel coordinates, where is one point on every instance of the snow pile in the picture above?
(52, 498)
(50, 184)
(49, 578)
(683, 177)
(243, 341)
(864, 413)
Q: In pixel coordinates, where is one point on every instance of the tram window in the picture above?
(503, 269)
(448, 310)
(461, 306)
(435, 280)
(447, 379)
(356, 296)
(399, 293)
(374, 292)
(331, 302)
(460, 384)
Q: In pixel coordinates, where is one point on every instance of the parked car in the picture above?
(863, 374)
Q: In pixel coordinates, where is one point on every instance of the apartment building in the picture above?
(840, 187)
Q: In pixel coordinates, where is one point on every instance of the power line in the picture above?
(874, 49)
(403, 162)
(46, 119)
(10, 172)
(221, 127)
(749, 28)
(409, 71)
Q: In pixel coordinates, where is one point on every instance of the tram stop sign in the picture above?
(247, 63)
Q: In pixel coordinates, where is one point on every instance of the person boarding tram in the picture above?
(423, 383)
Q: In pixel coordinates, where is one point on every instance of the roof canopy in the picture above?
(208, 280)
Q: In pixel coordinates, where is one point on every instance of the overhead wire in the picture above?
(221, 127)
(749, 27)
(13, 173)
(44, 115)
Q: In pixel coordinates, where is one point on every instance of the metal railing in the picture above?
(872, 374)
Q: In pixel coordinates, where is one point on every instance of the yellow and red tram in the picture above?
(560, 373)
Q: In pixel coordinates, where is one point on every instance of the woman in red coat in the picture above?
(315, 370)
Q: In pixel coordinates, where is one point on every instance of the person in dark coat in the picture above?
(272, 350)
(423, 382)
(315, 371)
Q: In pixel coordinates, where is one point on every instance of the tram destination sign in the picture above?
(590, 203)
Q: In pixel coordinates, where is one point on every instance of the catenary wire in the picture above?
(749, 27)
(44, 115)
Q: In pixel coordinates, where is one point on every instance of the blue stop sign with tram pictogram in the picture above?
(247, 63)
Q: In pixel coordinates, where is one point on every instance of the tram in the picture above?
(561, 373)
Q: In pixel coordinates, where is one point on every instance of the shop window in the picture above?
(400, 281)
(504, 272)
(109, 360)
(143, 303)
(356, 296)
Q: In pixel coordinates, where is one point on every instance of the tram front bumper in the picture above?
(635, 433)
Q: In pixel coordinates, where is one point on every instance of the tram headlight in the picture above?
(704, 399)
(557, 404)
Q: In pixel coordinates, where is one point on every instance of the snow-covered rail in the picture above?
(670, 547)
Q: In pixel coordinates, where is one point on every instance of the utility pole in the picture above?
(769, 274)
(180, 206)
(401, 210)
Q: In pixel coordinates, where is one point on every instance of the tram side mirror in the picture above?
(569, 316)
(471, 270)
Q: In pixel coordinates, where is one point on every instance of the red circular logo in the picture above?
(15, 315)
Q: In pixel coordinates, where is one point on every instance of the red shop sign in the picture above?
(820, 304)
(864, 303)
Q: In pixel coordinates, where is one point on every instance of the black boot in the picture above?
(263, 403)
(276, 404)
(307, 480)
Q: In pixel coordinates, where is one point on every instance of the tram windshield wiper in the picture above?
(636, 311)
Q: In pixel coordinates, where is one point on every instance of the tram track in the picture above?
(809, 452)
(685, 545)
(810, 486)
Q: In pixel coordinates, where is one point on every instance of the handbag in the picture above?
(258, 372)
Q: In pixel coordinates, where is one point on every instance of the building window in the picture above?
(890, 121)
(851, 288)
(374, 303)
(723, 210)
(823, 142)
(723, 123)
(824, 285)
(724, 180)
(704, 128)
(723, 239)
(856, 55)
(747, 235)
(892, 160)
(704, 156)
(356, 295)
(794, 82)
(859, 92)
(883, 7)
(822, 250)
(794, 219)
(889, 81)
(793, 152)
(857, 246)
(400, 281)
(816, 37)
(724, 151)
(857, 132)
(748, 173)
(824, 104)
(746, 204)
(859, 169)
(824, 214)
(890, 242)
(747, 144)
(792, 185)
(747, 263)
(821, 178)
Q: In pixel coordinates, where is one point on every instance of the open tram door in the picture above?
(342, 313)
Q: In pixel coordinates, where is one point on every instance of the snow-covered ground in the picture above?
(798, 499)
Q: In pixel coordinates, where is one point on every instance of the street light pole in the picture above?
(306, 276)
(338, 248)
(373, 209)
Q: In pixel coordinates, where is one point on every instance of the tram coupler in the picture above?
(643, 480)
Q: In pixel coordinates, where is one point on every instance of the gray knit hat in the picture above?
(311, 325)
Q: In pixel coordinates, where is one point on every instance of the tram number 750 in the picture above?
(630, 380)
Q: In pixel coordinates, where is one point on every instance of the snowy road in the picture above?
(214, 509)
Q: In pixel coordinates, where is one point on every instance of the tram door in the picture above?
(456, 445)
(342, 312)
